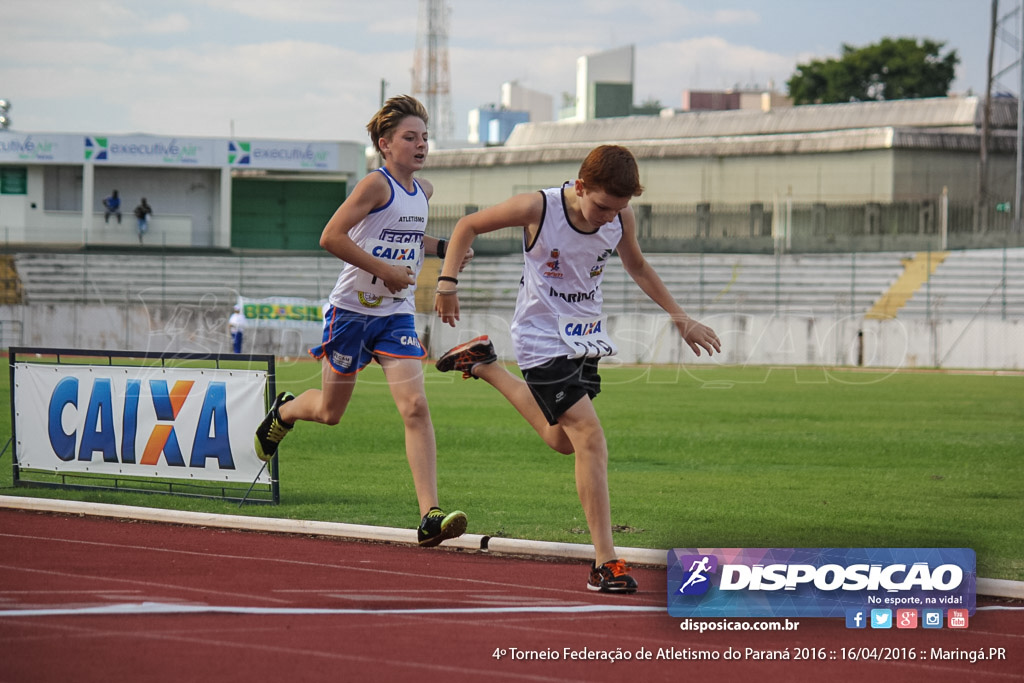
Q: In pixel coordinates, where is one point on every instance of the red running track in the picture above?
(94, 599)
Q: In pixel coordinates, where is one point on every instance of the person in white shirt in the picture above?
(378, 232)
(236, 328)
(558, 330)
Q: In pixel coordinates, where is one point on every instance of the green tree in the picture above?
(893, 69)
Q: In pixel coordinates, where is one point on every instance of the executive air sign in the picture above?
(148, 150)
(181, 423)
(817, 582)
(283, 154)
(162, 151)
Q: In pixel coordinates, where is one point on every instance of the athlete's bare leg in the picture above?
(405, 379)
(519, 395)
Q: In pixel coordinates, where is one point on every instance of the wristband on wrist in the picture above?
(442, 248)
(445, 278)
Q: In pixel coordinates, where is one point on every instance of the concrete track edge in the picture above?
(996, 588)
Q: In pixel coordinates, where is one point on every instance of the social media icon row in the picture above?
(905, 618)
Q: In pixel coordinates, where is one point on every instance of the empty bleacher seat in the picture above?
(966, 283)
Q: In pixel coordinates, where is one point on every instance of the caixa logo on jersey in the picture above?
(140, 422)
(817, 582)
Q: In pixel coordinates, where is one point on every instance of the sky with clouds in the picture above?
(312, 69)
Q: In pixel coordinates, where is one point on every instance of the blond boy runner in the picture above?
(378, 232)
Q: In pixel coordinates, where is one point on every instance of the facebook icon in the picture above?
(856, 618)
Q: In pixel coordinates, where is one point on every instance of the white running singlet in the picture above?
(560, 292)
(393, 233)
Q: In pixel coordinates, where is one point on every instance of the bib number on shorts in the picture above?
(586, 337)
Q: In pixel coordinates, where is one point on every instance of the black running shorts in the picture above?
(559, 383)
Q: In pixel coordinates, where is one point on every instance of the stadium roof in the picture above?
(947, 123)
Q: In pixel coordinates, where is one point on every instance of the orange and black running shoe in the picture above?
(465, 357)
(611, 577)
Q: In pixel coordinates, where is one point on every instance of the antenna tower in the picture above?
(431, 80)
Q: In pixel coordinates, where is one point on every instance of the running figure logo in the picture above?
(696, 581)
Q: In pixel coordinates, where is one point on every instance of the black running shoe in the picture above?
(272, 429)
(611, 577)
(465, 356)
(436, 526)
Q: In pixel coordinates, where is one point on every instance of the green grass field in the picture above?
(717, 457)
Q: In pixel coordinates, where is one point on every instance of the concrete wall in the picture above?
(799, 341)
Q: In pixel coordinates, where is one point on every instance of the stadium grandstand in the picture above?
(167, 300)
(859, 220)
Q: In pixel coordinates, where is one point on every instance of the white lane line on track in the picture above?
(165, 608)
(1000, 588)
(286, 561)
(168, 587)
(221, 639)
(79, 591)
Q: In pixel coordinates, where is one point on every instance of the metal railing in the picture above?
(796, 227)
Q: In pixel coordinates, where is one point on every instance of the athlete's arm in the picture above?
(428, 187)
(371, 192)
(523, 210)
(429, 241)
(697, 335)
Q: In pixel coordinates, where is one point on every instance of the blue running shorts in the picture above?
(351, 340)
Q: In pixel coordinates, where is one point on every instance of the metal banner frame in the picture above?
(265, 492)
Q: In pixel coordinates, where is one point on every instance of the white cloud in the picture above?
(666, 69)
(310, 11)
(96, 19)
(312, 68)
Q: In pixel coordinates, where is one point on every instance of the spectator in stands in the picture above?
(378, 234)
(236, 327)
(558, 330)
(142, 213)
(112, 205)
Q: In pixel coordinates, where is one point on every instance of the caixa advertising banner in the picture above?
(818, 582)
(181, 423)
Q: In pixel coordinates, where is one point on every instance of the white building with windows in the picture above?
(202, 190)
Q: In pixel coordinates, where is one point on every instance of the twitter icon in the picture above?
(881, 618)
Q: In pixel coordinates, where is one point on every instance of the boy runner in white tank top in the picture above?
(558, 330)
(378, 232)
